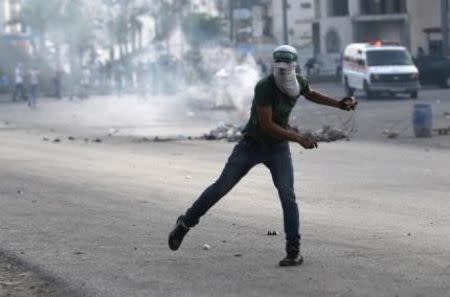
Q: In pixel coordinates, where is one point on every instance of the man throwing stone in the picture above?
(265, 141)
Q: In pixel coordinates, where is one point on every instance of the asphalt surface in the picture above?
(374, 212)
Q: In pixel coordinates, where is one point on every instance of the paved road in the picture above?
(94, 217)
(375, 219)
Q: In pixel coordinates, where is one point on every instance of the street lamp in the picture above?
(285, 23)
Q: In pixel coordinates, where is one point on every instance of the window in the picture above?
(305, 5)
(332, 41)
(388, 57)
(382, 6)
(337, 8)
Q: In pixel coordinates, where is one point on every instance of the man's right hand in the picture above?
(348, 103)
(307, 143)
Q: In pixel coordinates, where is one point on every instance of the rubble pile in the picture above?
(233, 133)
(229, 132)
(326, 134)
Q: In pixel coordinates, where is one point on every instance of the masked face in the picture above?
(284, 68)
(285, 78)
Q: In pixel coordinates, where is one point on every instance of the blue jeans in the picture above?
(33, 95)
(247, 154)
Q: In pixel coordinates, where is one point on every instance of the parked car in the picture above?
(379, 68)
(434, 70)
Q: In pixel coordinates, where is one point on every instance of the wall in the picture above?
(344, 27)
(3, 16)
(299, 21)
(387, 31)
(423, 14)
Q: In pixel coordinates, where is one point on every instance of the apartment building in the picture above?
(10, 16)
(413, 23)
(2, 16)
(204, 6)
(300, 14)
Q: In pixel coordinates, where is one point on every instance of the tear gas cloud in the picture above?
(169, 80)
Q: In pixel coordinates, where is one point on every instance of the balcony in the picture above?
(380, 17)
(374, 10)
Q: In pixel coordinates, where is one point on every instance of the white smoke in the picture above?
(232, 85)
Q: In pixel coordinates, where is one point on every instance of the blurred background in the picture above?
(146, 45)
(193, 55)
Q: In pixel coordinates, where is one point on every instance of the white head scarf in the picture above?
(284, 72)
(286, 78)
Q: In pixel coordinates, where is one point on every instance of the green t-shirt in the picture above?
(268, 94)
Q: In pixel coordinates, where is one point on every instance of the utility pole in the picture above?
(231, 4)
(285, 23)
(444, 27)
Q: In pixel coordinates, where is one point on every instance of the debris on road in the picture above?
(390, 134)
(326, 134)
(112, 131)
(233, 133)
(229, 132)
(442, 131)
(162, 139)
(206, 247)
(144, 139)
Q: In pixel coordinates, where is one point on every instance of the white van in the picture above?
(377, 67)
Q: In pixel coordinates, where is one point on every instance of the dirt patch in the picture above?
(17, 280)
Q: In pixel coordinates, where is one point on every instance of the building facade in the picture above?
(412, 23)
(258, 25)
(300, 14)
(2, 15)
(10, 16)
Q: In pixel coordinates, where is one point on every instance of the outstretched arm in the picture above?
(347, 103)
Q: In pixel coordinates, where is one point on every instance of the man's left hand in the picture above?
(348, 103)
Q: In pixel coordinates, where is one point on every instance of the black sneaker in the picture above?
(292, 259)
(177, 234)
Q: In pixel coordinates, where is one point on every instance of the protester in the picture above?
(265, 141)
(19, 87)
(34, 86)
